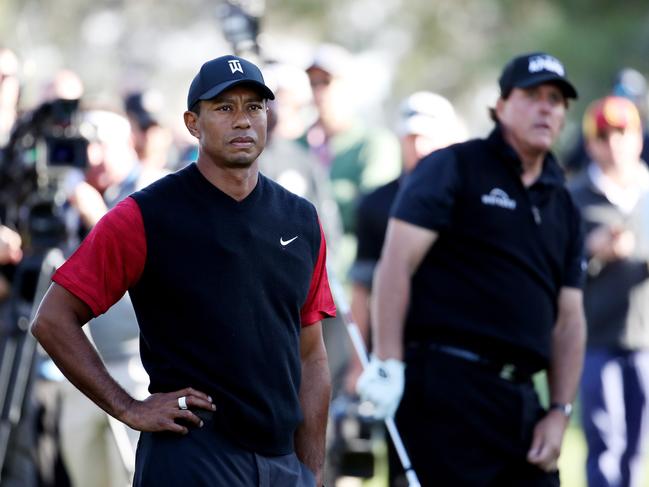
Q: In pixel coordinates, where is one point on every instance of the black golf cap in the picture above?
(533, 69)
(224, 72)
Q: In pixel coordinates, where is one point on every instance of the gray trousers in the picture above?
(205, 457)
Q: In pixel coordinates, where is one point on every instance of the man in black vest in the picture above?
(226, 271)
(478, 288)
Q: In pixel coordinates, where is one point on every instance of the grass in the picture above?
(573, 458)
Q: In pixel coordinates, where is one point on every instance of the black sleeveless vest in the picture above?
(219, 300)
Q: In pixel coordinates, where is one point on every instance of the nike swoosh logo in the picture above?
(286, 242)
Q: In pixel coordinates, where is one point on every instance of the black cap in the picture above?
(534, 69)
(141, 107)
(224, 72)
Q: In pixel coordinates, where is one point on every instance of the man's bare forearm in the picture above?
(389, 305)
(568, 345)
(566, 364)
(58, 328)
(315, 395)
(568, 342)
(404, 249)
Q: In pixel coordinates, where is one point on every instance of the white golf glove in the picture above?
(382, 383)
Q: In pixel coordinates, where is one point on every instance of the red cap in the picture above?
(612, 112)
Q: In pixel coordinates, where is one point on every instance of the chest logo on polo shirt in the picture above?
(497, 197)
(284, 243)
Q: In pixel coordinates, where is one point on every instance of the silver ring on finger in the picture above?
(182, 402)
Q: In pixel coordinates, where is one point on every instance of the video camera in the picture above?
(355, 432)
(240, 24)
(44, 145)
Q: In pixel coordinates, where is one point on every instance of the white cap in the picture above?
(286, 77)
(426, 113)
(331, 58)
(105, 126)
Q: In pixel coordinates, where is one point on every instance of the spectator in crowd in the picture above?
(613, 194)
(286, 160)
(478, 288)
(631, 84)
(356, 157)
(293, 104)
(151, 139)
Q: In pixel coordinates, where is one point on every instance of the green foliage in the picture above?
(452, 43)
(450, 46)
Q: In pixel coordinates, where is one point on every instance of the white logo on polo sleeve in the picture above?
(235, 65)
(545, 63)
(497, 197)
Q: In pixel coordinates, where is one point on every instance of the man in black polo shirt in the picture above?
(477, 289)
(226, 271)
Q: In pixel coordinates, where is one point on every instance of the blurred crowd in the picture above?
(65, 163)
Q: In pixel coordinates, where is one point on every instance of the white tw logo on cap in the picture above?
(235, 66)
(545, 63)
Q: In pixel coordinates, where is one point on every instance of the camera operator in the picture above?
(29, 446)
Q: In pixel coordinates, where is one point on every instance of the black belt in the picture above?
(505, 370)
